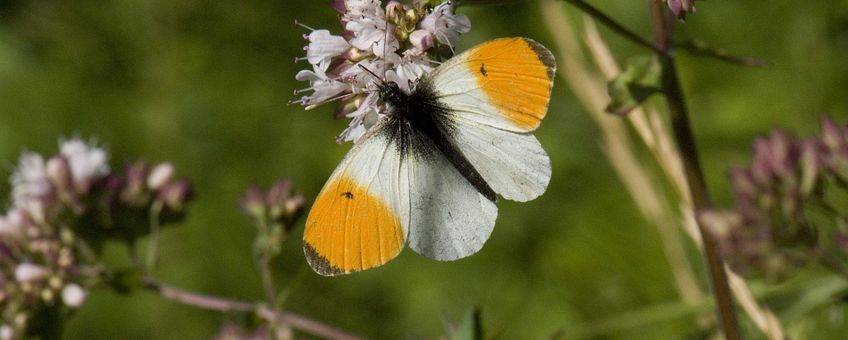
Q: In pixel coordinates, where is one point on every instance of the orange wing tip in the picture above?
(319, 263)
(544, 55)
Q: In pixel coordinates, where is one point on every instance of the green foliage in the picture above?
(641, 79)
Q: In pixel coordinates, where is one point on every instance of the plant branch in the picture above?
(227, 305)
(263, 260)
(662, 25)
(615, 26)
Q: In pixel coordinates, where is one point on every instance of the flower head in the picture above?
(87, 162)
(398, 43)
(787, 209)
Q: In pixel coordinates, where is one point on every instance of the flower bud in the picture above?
(6, 332)
(253, 202)
(161, 174)
(277, 196)
(28, 272)
(681, 8)
(135, 176)
(832, 135)
(394, 12)
(73, 295)
(12, 224)
(175, 194)
(421, 39)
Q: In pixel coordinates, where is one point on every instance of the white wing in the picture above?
(496, 94)
(449, 219)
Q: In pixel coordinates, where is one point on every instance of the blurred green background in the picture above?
(204, 85)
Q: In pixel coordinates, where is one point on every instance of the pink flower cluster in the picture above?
(57, 205)
(398, 43)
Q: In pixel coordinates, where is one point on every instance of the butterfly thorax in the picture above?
(420, 125)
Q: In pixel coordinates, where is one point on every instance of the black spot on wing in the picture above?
(483, 70)
(544, 55)
(318, 262)
(348, 195)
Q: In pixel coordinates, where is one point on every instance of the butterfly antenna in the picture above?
(385, 45)
(370, 72)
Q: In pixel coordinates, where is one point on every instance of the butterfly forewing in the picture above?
(496, 94)
(360, 218)
(504, 83)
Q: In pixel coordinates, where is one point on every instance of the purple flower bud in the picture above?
(338, 5)
(743, 182)
(277, 197)
(832, 135)
(253, 202)
(135, 177)
(761, 167)
(681, 7)
(175, 194)
(783, 154)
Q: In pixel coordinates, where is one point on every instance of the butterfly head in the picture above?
(390, 93)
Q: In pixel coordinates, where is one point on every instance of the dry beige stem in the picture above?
(650, 127)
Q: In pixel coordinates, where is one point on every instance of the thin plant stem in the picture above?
(614, 25)
(153, 244)
(263, 260)
(662, 26)
(228, 305)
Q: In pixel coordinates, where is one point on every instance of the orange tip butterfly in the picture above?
(427, 175)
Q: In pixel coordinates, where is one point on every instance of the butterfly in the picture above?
(428, 173)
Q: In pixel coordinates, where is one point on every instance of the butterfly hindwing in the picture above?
(450, 218)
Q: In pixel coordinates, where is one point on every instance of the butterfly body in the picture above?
(428, 173)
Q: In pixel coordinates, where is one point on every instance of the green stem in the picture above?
(662, 25)
(615, 26)
(263, 260)
(153, 244)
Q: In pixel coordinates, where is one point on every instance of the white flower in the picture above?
(6, 332)
(363, 118)
(29, 181)
(323, 46)
(444, 25)
(409, 70)
(27, 272)
(12, 224)
(324, 88)
(421, 40)
(87, 162)
(350, 66)
(73, 295)
(160, 175)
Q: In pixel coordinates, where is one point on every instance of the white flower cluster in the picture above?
(399, 43)
(35, 258)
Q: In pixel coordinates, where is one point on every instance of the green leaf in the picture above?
(641, 79)
(470, 328)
